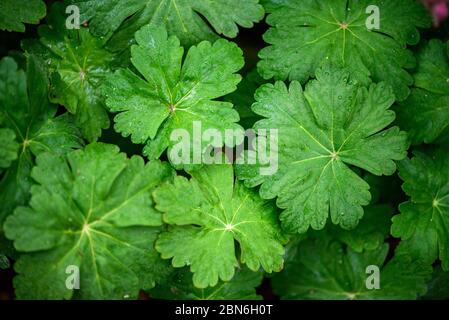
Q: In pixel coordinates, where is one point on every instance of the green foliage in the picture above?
(8, 148)
(207, 222)
(4, 262)
(308, 33)
(243, 98)
(180, 287)
(187, 215)
(369, 234)
(424, 220)
(438, 289)
(14, 13)
(78, 65)
(326, 269)
(91, 210)
(332, 124)
(335, 264)
(174, 93)
(425, 114)
(27, 115)
(181, 18)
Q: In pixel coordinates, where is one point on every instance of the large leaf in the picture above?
(307, 33)
(208, 214)
(92, 210)
(370, 233)
(322, 131)
(384, 189)
(78, 64)
(438, 288)
(424, 220)
(425, 114)
(182, 18)
(25, 111)
(4, 262)
(180, 287)
(174, 94)
(14, 13)
(326, 269)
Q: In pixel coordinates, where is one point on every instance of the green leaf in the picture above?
(8, 148)
(437, 287)
(322, 131)
(7, 251)
(425, 114)
(174, 95)
(78, 64)
(326, 269)
(25, 110)
(4, 262)
(208, 214)
(180, 287)
(92, 210)
(191, 21)
(305, 34)
(424, 220)
(370, 233)
(14, 13)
